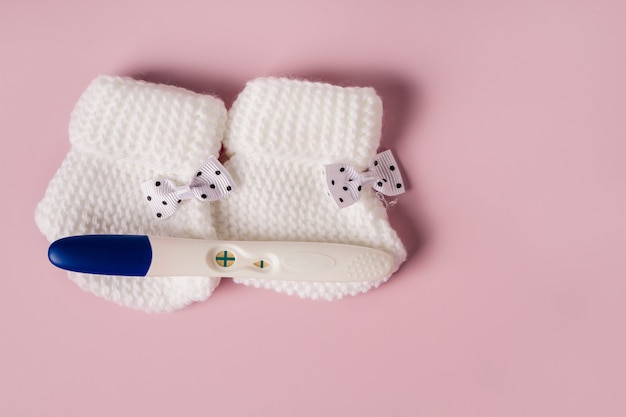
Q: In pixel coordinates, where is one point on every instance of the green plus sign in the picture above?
(225, 259)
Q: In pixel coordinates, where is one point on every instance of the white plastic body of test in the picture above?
(289, 261)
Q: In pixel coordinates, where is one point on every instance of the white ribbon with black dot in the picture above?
(210, 183)
(345, 183)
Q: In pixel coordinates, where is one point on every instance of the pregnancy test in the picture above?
(154, 256)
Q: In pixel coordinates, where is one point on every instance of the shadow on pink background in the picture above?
(508, 120)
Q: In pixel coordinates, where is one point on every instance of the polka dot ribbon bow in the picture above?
(211, 182)
(345, 183)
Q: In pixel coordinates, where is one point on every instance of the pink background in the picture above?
(509, 120)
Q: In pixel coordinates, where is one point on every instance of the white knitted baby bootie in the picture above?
(281, 135)
(123, 133)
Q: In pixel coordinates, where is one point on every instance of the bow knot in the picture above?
(345, 183)
(210, 183)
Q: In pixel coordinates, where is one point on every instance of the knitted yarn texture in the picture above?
(278, 136)
(281, 133)
(124, 132)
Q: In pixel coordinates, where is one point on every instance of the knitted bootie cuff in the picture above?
(167, 128)
(304, 119)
